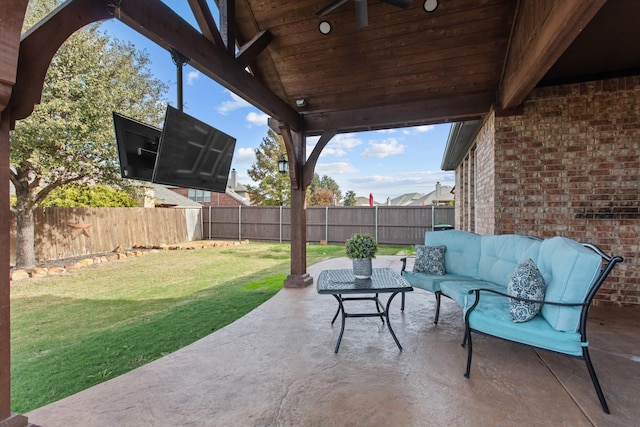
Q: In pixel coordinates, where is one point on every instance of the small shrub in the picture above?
(361, 246)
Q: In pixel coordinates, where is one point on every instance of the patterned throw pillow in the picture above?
(526, 282)
(430, 259)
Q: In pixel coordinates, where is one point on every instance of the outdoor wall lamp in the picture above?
(283, 165)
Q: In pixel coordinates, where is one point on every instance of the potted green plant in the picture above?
(361, 248)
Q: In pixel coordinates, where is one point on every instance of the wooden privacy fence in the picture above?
(59, 231)
(391, 225)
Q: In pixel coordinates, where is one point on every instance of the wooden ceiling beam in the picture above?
(40, 43)
(542, 32)
(205, 21)
(310, 164)
(413, 113)
(11, 18)
(250, 50)
(159, 23)
(228, 24)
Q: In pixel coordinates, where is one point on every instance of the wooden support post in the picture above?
(6, 418)
(299, 278)
(296, 151)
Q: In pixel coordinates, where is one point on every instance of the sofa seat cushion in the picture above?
(501, 254)
(429, 282)
(569, 270)
(491, 316)
(458, 290)
(463, 250)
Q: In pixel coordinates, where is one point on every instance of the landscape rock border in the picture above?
(59, 267)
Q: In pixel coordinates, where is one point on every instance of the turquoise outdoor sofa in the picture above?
(479, 269)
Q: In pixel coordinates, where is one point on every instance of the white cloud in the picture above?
(345, 140)
(336, 168)
(233, 104)
(258, 119)
(247, 155)
(425, 128)
(312, 140)
(336, 152)
(337, 147)
(386, 131)
(192, 76)
(387, 147)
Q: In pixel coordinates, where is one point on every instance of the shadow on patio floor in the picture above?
(276, 366)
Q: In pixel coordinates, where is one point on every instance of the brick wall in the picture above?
(485, 178)
(569, 165)
(217, 199)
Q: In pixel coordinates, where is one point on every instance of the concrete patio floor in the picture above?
(276, 367)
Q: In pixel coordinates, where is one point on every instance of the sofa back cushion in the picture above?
(569, 270)
(501, 254)
(463, 250)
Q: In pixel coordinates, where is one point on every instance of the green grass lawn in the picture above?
(73, 331)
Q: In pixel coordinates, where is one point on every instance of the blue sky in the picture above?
(387, 163)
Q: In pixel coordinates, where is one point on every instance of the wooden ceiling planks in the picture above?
(402, 56)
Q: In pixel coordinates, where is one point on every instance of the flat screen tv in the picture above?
(192, 154)
(137, 147)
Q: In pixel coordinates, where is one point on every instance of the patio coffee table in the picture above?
(342, 282)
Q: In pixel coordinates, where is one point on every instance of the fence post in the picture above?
(377, 223)
(433, 217)
(280, 223)
(326, 224)
(210, 212)
(240, 222)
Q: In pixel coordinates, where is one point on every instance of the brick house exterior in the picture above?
(235, 194)
(215, 199)
(568, 164)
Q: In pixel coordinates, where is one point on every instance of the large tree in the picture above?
(350, 198)
(323, 191)
(69, 137)
(273, 188)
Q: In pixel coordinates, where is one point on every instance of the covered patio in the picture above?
(465, 60)
(276, 366)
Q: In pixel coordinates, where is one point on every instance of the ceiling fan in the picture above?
(362, 16)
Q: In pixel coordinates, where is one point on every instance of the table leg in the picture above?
(389, 323)
(338, 297)
(340, 308)
(378, 307)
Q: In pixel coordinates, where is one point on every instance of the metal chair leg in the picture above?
(469, 351)
(594, 379)
(464, 338)
(402, 306)
(438, 296)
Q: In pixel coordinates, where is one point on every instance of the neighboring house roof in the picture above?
(364, 201)
(237, 197)
(166, 197)
(405, 199)
(239, 188)
(443, 195)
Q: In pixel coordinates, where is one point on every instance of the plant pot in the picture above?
(362, 268)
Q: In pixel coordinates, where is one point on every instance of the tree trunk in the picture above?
(25, 237)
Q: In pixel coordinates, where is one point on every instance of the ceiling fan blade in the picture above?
(331, 6)
(362, 17)
(404, 4)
